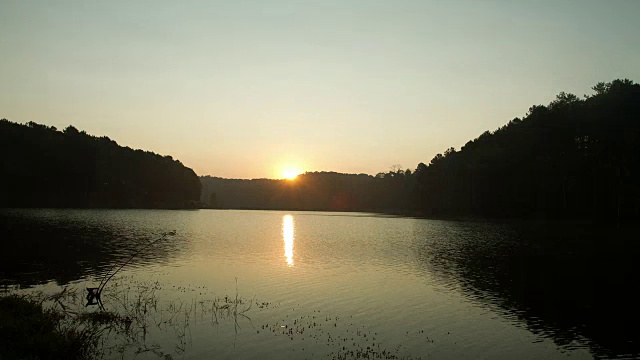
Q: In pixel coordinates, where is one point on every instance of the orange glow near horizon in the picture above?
(290, 173)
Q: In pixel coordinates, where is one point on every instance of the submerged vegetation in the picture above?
(57, 326)
(139, 320)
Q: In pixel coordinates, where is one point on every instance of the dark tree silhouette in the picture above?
(44, 167)
(573, 158)
(325, 191)
(576, 157)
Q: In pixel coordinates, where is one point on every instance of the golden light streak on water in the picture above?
(287, 234)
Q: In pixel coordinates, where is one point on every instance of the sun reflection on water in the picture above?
(287, 234)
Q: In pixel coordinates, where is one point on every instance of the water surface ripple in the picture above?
(424, 288)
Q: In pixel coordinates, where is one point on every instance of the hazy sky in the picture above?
(244, 88)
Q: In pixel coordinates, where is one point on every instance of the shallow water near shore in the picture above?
(331, 285)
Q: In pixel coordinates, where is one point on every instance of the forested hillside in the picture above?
(326, 191)
(44, 167)
(574, 158)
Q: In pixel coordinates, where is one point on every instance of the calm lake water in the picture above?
(324, 284)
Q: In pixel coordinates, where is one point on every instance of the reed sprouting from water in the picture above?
(147, 317)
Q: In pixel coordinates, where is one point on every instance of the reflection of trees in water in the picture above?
(566, 282)
(35, 250)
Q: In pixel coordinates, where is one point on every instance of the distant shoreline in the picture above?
(399, 214)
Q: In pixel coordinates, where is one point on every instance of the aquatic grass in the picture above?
(30, 331)
(229, 308)
(336, 338)
(35, 325)
(140, 321)
(136, 316)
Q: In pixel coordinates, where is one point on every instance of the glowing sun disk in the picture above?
(290, 174)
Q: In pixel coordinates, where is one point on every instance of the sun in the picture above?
(290, 173)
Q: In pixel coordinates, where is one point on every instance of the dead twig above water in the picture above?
(94, 293)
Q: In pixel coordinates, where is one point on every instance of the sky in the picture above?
(248, 89)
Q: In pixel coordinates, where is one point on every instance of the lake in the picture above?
(335, 285)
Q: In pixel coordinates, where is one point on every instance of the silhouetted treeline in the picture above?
(576, 157)
(44, 167)
(326, 191)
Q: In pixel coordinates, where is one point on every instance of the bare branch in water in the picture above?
(106, 279)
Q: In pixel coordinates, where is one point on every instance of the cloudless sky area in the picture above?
(245, 89)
